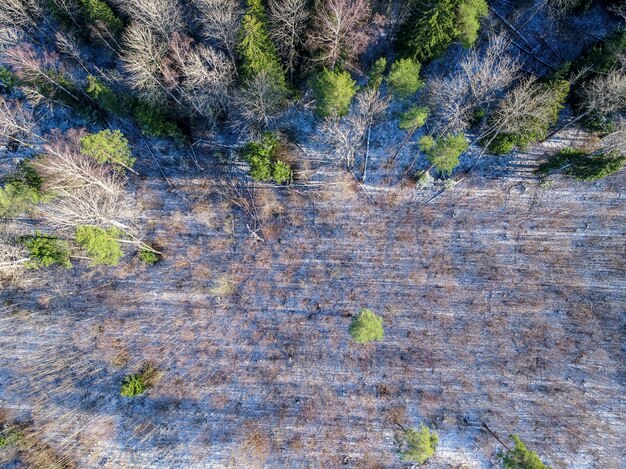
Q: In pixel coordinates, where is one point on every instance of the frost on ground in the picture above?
(502, 303)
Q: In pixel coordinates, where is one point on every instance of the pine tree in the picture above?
(334, 91)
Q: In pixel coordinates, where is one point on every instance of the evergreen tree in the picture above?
(444, 153)
(258, 52)
(413, 118)
(102, 245)
(404, 77)
(108, 146)
(333, 91)
(520, 457)
(418, 445)
(366, 327)
(47, 250)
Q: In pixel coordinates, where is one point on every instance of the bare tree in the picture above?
(16, 123)
(616, 140)
(164, 17)
(618, 9)
(20, 13)
(220, 21)
(605, 94)
(340, 32)
(479, 79)
(258, 104)
(287, 23)
(13, 255)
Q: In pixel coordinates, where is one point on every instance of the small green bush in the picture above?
(444, 154)
(47, 250)
(98, 12)
(101, 245)
(108, 146)
(21, 191)
(138, 383)
(366, 327)
(413, 118)
(8, 79)
(404, 77)
(520, 457)
(333, 92)
(154, 121)
(263, 160)
(9, 438)
(418, 445)
(148, 257)
(102, 94)
(377, 73)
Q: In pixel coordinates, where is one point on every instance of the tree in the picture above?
(102, 245)
(413, 118)
(366, 327)
(258, 53)
(108, 146)
(220, 21)
(340, 32)
(287, 24)
(583, 165)
(45, 250)
(21, 191)
(432, 25)
(418, 445)
(259, 104)
(445, 152)
(163, 17)
(333, 92)
(404, 77)
(605, 95)
(97, 12)
(103, 95)
(263, 159)
(17, 126)
(520, 457)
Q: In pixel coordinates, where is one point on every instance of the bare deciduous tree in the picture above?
(164, 17)
(16, 123)
(605, 94)
(20, 13)
(258, 104)
(616, 140)
(287, 22)
(480, 78)
(220, 21)
(13, 255)
(340, 32)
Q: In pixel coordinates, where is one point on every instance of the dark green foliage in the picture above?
(377, 73)
(535, 128)
(404, 77)
(433, 24)
(104, 95)
(520, 457)
(582, 165)
(101, 245)
(47, 250)
(366, 327)
(108, 146)
(8, 80)
(155, 122)
(333, 91)
(21, 191)
(138, 383)
(418, 444)
(263, 160)
(413, 118)
(258, 52)
(444, 154)
(98, 12)
(148, 257)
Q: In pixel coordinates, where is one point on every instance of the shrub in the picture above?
(404, 77)
(102, 245)
(148, 257)
(444, 154)
(108, 146)
(97, 11)
(582, 165)
(366, 327)
(413, 118)
(263, 160)
(333, 91)
(8, 80)
(21, 191)
(104, 95)
(377, 73)
(520, 457)
(418, 445)
(154, 121)
(47, 250)
(502, 144)
(138, 383)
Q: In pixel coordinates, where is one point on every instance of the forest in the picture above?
(312, 233)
